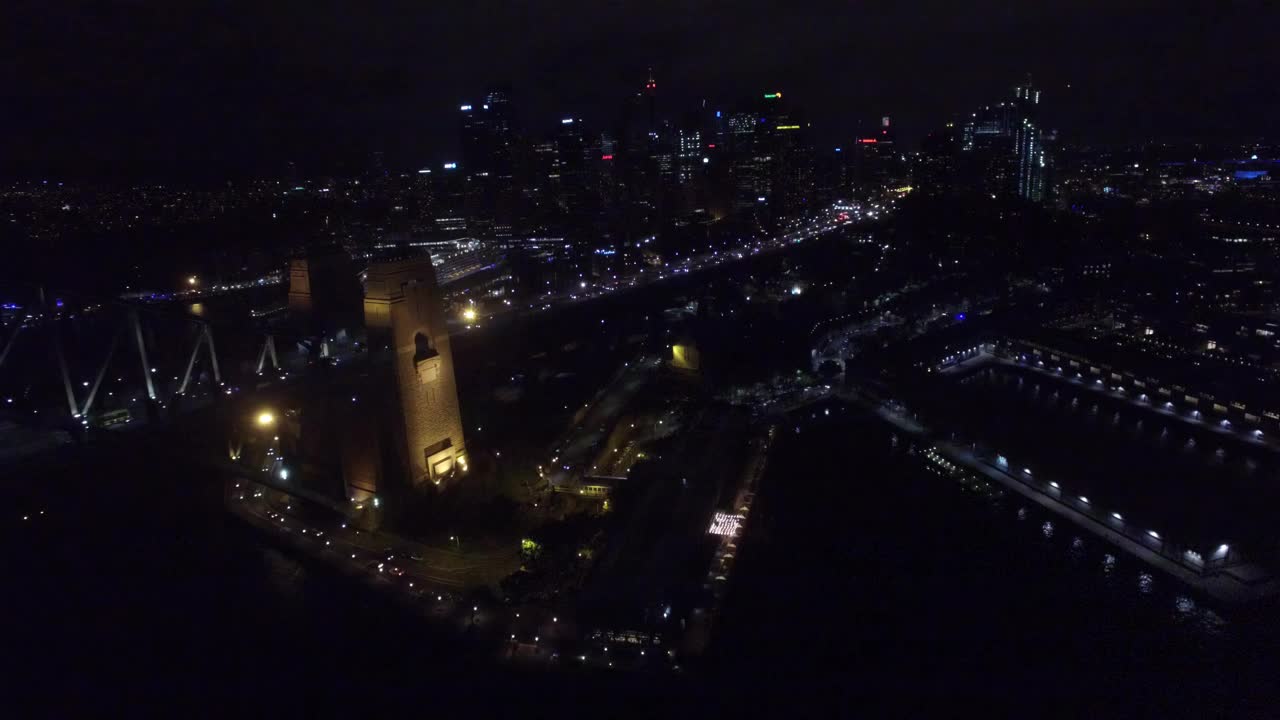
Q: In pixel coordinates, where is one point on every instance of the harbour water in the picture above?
(860, 565)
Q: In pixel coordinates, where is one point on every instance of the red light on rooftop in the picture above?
(711, 145)
(606, 157)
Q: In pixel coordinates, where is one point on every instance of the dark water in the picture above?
(860, 569)
(128, 579)
(861, 574)
(1184, 480)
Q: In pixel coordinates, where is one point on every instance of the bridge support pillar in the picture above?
(142, 353)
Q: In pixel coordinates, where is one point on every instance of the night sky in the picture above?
(192, 89)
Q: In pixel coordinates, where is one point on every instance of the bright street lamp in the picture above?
(265, 419)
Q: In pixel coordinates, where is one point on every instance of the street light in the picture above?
(265, 418)
(192, 280)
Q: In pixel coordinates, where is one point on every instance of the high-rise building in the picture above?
(749, 161)
(934, 170)
(488, 147)
(771, 158)
(1002, 147)
(572, 149)
(793, 184)
(450, 201)
(689, 154)
(651, 100)
(876, 161)
(1029, 144)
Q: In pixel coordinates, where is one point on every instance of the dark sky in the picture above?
(201, 89)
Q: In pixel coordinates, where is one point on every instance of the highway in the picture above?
(421, 565)
(798, 232)
(644, 276)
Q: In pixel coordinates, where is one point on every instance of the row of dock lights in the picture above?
(1143, 397)
(1114, 515)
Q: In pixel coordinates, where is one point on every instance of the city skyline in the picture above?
(455, 355)
(241, 92)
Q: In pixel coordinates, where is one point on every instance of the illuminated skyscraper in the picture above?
(689, 153)
(934, 169)
(488, 147)
(749, 161)
(573, 156)
(1029, 144)
(1003, 149)
(771, 157)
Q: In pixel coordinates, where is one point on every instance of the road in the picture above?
(798, 232)
(574, 452)
(437, 583)
(421, 565)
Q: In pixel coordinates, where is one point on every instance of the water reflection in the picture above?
(1077, 549)
(1146, 583)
